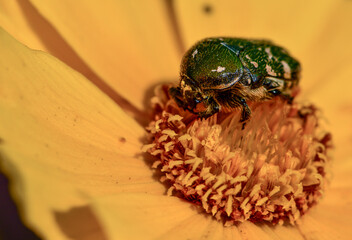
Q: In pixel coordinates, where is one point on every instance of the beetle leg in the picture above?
(176, 94)
(212, 107)
(246, 111)
(237, 101)
(284, 96)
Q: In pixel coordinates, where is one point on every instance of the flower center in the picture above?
(274, 169)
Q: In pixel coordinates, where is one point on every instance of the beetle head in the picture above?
(193, 96)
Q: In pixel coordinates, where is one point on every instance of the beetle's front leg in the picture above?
(212, 107)
(176, 94)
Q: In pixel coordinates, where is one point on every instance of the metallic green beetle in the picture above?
(219, 74)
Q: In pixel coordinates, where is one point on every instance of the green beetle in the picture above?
(219, 74)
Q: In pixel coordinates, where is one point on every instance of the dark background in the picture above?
(11, 226)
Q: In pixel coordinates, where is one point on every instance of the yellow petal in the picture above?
(329, 51)
(16, 22)
(250, 230)
(327, 222)
(128, 44)
(147, 216)
(285, 232)
(339, 193)
(79, 223)
(332, 217)
(290, 23)
(317, 32)
(62, 140)
(334, 98)
(23, 21)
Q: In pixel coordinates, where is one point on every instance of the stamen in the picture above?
(272, 170)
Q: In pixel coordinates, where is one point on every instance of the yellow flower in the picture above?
(70, 143)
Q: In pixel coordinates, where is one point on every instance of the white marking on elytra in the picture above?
(194, 53)
(270, 55)
(268, 51)
(255, 64)
(287, 69)
(219, 69)
(270, 71)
